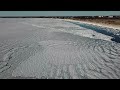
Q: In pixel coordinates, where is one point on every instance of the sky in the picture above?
(58, 13)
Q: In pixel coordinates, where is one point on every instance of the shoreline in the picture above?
(113, 26)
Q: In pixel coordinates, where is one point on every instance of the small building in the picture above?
(110, 16)
(100, 16)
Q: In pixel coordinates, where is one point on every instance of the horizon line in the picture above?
(58, 13)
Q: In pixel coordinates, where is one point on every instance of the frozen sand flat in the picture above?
(53, 48)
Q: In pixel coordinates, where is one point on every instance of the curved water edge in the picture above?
(115, 34)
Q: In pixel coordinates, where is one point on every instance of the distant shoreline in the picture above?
(110, 23)
(105, 21)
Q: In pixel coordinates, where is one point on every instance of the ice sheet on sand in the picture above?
(54, 48)
(62, 59)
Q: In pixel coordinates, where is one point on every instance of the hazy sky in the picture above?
(58, 13)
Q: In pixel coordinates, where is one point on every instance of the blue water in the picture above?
(98, 29)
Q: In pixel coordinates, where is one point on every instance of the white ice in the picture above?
(55, 48)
